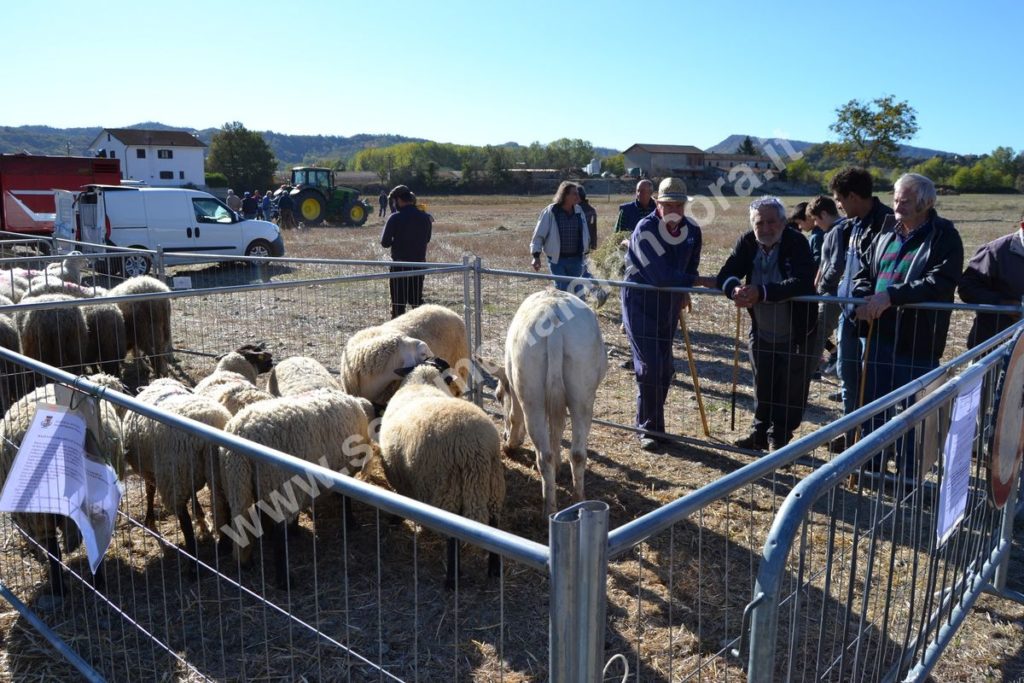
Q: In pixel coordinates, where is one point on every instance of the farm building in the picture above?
(724, 162)
(169, 158)
(662, 160)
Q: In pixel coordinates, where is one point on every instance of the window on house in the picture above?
(113, 154)
(166, 175)
(165, 154)
(181, 175)
(140, 154)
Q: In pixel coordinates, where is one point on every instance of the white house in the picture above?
(167, 158)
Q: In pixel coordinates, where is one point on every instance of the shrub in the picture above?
(216, 179)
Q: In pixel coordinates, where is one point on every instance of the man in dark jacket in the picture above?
(285, 205)
(769, 265)
(406, 233)
(995, 276)
(918, 259)
(852, 190)
(630, 213)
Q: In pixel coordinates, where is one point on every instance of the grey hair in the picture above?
(647, 182)
(563, 189)
(922, 187)
(767, 201)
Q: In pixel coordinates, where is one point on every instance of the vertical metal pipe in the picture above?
(579, 567)
(477, 320)
(158, 266)
(1006, 536)
(471, 339)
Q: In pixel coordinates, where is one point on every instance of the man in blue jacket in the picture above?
(769, 265)
(664, 251)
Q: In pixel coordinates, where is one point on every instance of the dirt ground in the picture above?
(674, 604)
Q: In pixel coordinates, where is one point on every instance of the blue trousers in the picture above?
(888, 369)
(569, 266)
(850, 356)
(650, 319)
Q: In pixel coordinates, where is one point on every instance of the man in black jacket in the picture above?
(406, 233)
(917, 258)
(852, 189)
(995, 276)
(769, 265)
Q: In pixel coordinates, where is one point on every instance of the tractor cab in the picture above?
(317, 198)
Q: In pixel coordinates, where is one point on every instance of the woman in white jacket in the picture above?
(562, 235)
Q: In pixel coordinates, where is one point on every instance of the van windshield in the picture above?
(210, 210)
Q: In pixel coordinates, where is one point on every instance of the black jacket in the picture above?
(407, 233)
(934, 274)
(994, 276)
(797, 267)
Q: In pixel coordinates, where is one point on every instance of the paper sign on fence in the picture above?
(51, 474)
(956, 460)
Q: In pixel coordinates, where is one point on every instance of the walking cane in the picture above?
(735, 371)
(864, 375)
(693, 373)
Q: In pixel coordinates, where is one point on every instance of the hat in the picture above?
(673, 190)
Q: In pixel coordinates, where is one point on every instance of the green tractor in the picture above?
(317, 199)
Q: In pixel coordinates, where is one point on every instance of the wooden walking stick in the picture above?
(735, 371)
(864, 375)
(693, 373)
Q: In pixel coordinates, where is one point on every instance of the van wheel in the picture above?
(134, 265)
(258, 248)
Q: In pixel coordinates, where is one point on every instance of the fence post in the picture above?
(477, 321)
(158, 264)
(471, 340)
(579, 569)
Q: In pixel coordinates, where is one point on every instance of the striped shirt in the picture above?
(570, 232)
(895, 263)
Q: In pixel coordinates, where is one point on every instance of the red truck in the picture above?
(27, 182)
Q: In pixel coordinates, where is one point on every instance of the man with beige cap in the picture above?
(664, 251)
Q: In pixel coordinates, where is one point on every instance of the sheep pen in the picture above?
(709, 557)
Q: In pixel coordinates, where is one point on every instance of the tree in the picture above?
(615, 164)
(243, 156)
(747, 147)
(870, 132)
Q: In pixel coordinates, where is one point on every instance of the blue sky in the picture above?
(610, 72)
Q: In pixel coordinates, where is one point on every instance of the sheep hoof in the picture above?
(150, 522)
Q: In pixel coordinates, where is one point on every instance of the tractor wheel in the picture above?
(356, 213)
(309, 208)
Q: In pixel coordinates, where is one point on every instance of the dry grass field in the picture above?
(673, 603)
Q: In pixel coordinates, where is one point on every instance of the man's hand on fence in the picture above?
(535, 263)
(874, 307)
(746, 296)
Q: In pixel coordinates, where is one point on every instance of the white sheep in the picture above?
(554, 360)
(109, 443)
(13, 285)
(298, 374)
(12, 376)
(443, 330)
(323, 426)
(173, 461)
(443, 451)
(233, 382)
(148, 323)
(371, 357)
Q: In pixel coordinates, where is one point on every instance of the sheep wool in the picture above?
(55, 336)
(148, 323)
(300, 374)
(440, 328)
(371, 357)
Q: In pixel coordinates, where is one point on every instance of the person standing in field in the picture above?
(406, 234)
(852, 190)
(233, 202)
(285, 206)
(918, 257)
(267, 205)
(630, 213)
(382, 200)
(995, 276)
(769, 265)
(664, 251)
(822, 210)
(249, 206)
(562, 235)
(600, 294)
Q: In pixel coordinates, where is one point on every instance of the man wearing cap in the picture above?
(406, 233)
(769, 265)
(664, 251)
(561, 233)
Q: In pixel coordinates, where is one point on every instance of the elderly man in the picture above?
(995, 276)
(562, 234)
(664, 251)
(630, 213)
(852, 190)
(769, 265)
(918, 260)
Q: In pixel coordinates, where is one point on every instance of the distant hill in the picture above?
(729, 145)
(289, 149)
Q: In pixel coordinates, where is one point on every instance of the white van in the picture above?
(178, 220)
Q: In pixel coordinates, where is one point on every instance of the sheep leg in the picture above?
(150, 520)
(190, 538)
(197, 510)
(53, 563)
(453, 564)
(277, 533)
(516, 434)
(582, 414)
